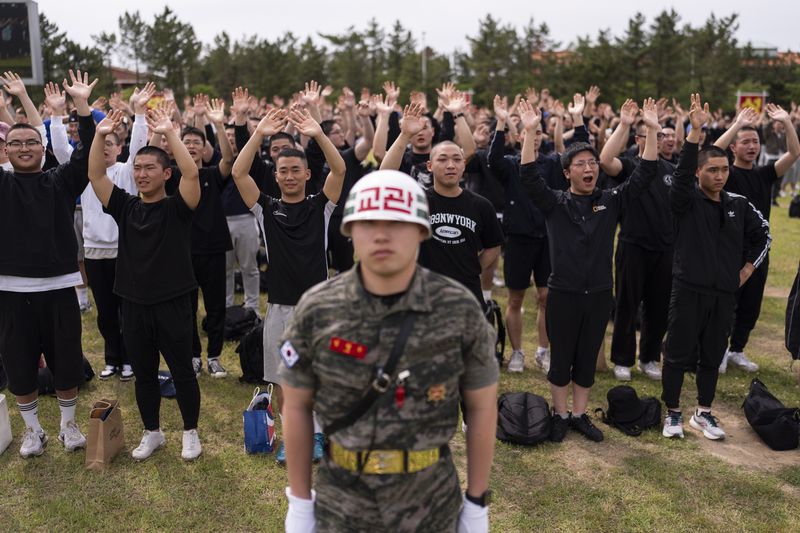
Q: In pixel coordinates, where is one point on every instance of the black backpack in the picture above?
(794, 207)
(777, 425)
(251, 355)
(238, 321)
(495, 317)
(522, 418)
(630, 414)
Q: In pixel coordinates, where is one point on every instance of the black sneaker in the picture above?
(583, 425)
(558, 427)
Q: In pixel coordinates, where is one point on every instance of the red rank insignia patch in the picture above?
(348, 348)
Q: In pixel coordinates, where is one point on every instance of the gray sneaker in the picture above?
(543, 359)
(197, 366)
(215, 369)
(33, 443)
(673, 425)
(651, 370)
(517, 362)
(71, 437)
(707, 423)
(740, 359)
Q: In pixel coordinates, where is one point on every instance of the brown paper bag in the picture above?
(106, 436)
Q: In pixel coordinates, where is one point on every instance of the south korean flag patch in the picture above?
(289, 354)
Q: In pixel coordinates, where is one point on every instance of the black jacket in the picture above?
(581, 246)
(713, 240)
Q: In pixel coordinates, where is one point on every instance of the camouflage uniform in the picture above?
(451, 347)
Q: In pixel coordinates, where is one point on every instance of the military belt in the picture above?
(384, 461)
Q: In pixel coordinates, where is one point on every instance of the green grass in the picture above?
(622, 484)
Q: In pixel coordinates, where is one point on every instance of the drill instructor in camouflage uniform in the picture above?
(391, 470)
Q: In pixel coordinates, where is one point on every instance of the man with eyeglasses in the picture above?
(644, 253)
(38, 272)
(581, 223)
(211, 239)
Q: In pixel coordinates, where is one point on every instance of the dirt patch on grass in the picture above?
(776, 292)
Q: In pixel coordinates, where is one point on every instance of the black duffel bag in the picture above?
(777, 425)
(523, 418)
(630, 414)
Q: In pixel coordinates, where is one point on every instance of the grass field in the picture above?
(623, 484)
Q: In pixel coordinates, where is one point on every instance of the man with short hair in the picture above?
(295, 229)
(390, 469)
(720, 240)
(39, 313)
(155, 276)
(754, 182)
(466, 233)
(581, 223)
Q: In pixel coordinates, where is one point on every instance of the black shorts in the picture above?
(523, 257)
(576, 324)
(36, 323)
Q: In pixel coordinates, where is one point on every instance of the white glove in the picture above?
(300, 517)
(473, 518)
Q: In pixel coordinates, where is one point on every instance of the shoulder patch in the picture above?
(289, 354)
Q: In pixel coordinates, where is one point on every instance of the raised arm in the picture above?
(273, 122)
(306, 125)
(778, 114)
(189, 186)
(14, 85)
(558, 127)
(311, 97)
(57, 102)
(645, 172)
(411, 125)
(531, 117)
(101, 183)
(683, 180)
(381, 126)
(609, 157)
(746, 117)
(534, 185)
(457, 105)
(365, 143)
(138, 103)
(215, 111)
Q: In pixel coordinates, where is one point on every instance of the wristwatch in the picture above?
(458, 116)
(483, 500)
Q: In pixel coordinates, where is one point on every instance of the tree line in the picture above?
(661, 58)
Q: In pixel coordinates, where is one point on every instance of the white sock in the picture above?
(487, 295)
(703, 410)
(317, 427)
(542, 349)
(67, 410)
(83, 295)
(30, 414)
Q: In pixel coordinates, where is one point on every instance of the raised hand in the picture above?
(530, 115)
(273, 122)
(698, 112)
(139, 98)
(413, 121)
(381, 106)
(239, 97)
(628, 111)
(215, 110)
(13, 84)
(557, 109)
(326, 91)
(362, 108)
(532, 96)
(311, 94)
(79, 87)
(747, 117)
(445, 93)
(55, 99)
(500, 108)
(777, 113)
(650, 113)
(592, 94)
(110, 123)
(577, 105)
(392, 92)
(158, 119)
(457, 103)
(348, 97)
(199, 105)
(100, 103)
(303, 122)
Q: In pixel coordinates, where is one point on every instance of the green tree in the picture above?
(489, 68)
(172, 51)
(633, 50)
(133, 33)
(667, 54)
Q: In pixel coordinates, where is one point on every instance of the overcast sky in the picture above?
(776, 22)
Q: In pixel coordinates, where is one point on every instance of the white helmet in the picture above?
(386, 195)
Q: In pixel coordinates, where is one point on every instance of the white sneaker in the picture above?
(215, 369)
(126, 374)
(191, 445)
(33, 443)
(517, 362)
(197, 366)
(151, 441)
(650, 370)
(622, 373)
(71, 437)
(708, 424)
(673, 425)
(107, 372)
(723, 366)
(740, 359)
(543, 358)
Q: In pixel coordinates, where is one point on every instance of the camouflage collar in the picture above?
(416, 298)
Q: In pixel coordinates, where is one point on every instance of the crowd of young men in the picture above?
(169, 214)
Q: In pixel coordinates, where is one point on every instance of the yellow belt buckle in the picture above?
(384, 462)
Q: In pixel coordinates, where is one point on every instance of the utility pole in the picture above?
(424, 64)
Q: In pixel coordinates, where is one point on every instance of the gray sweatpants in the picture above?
(244, 234)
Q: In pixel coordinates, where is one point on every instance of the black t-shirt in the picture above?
(209, 229)
(296, 238)
(462, 227)
(648, 222)
(755, 184)
(154, 262)
(416, 166)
